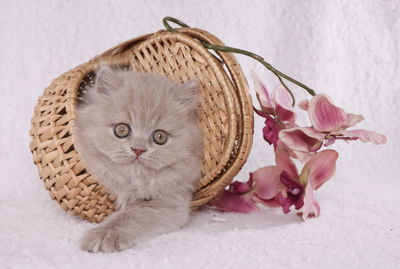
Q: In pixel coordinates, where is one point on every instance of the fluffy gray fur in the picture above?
(153, 192)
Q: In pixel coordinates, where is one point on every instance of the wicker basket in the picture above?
(226, 118)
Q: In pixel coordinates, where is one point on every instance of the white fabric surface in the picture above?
(348, 49)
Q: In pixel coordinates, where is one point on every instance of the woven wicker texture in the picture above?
(225, 117)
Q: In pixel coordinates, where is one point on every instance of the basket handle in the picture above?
(280, 75)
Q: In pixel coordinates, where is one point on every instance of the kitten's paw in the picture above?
(103, 240)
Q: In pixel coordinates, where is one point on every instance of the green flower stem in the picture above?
(258, 58)
(174, 20)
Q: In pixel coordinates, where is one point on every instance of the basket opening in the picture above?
(71, 148)
(63, 111)
(82, 172)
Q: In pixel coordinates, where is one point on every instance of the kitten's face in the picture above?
(138, 121)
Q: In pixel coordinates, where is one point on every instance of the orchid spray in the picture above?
(281, 185)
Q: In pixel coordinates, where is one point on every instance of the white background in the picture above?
(347, 49)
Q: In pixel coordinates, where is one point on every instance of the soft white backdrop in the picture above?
(348, 49)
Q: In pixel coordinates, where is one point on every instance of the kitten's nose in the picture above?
(139, 151)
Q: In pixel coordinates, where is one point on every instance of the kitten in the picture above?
(138, 135)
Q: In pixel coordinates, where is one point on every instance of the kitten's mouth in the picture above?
(136, 160)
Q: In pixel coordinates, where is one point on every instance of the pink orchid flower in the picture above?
(237, 198)
(329, 123)
(317, 171)
(263, 186)
(301, 142)
(281, 185)
(275, 108)
(299, 189)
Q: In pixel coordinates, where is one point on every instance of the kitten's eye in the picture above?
(122, 130)
(159, 137)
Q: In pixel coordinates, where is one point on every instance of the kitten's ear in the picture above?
(107, 80)
(189, 93)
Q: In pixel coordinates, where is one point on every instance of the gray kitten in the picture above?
(138, 135)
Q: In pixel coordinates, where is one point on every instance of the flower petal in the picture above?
(291, 184)
(285, 202)
(284, 162)
(319, 169)
(266, 202)
(304, 104)
(283, 104)
(364, 136)
(262, 95)
(324, 115)
(284, 114)
(311, 206)
(352, 119)
(241, 187)
(267, 182)
(303, 139)
(229, 201)
(270, 131)
(303, 157)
